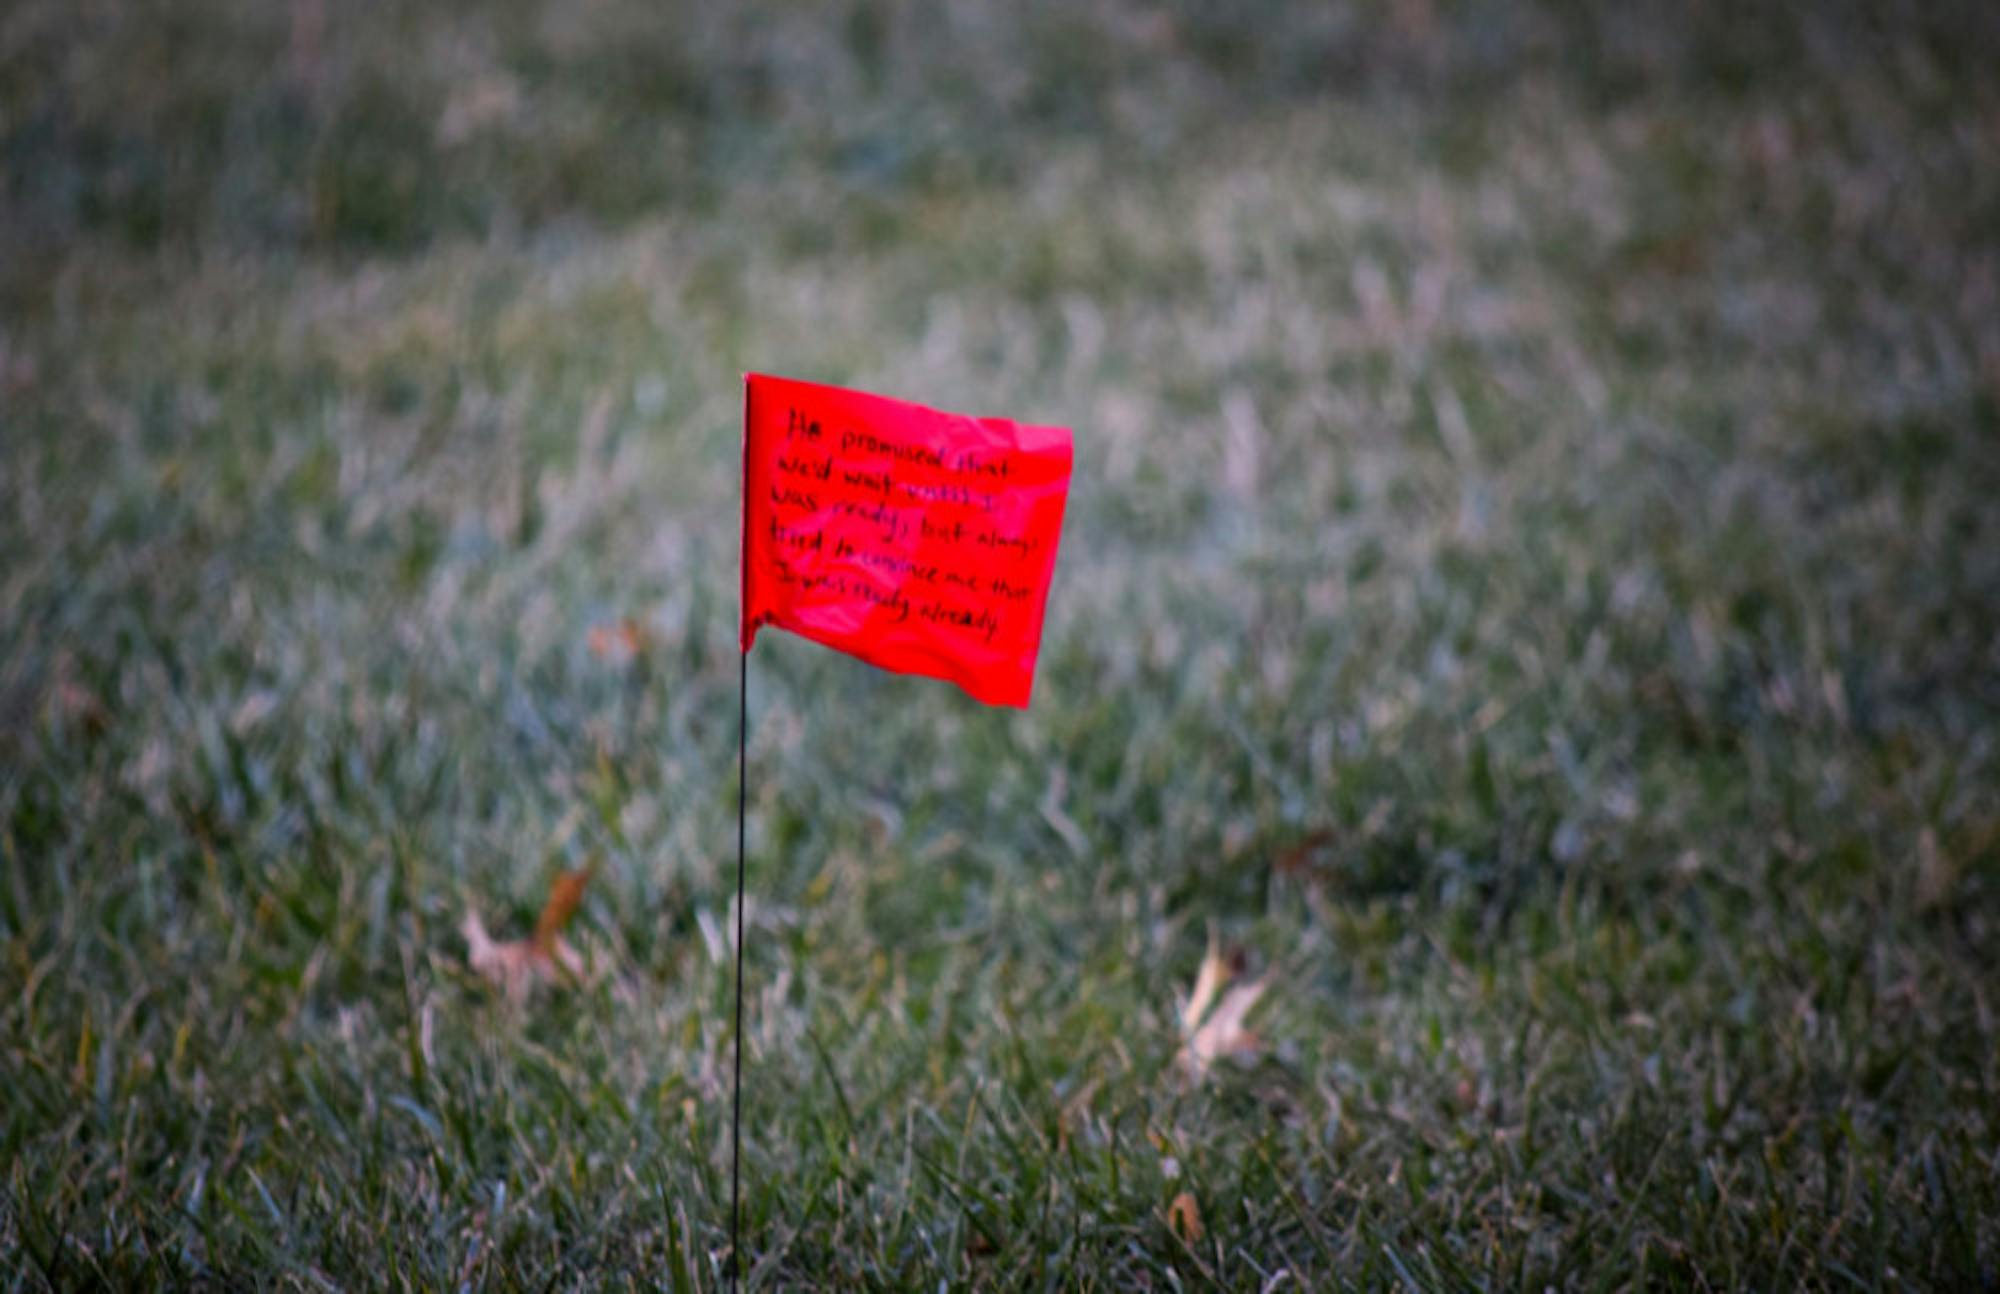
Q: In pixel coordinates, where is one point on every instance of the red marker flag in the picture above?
(918, 540)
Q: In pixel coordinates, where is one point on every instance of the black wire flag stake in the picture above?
(918, 540)
(736, 1037)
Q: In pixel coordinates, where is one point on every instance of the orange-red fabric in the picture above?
(918, 540)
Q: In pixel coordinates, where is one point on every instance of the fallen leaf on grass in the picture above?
(1223, 1034)
(1207, 983)
(565, 894)
(1184, 1218)
(1213, 1034)
(619, 642)
(515, 966)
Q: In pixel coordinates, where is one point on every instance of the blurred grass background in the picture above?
(1532, 586)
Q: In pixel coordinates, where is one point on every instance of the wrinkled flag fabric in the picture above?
(918, 540)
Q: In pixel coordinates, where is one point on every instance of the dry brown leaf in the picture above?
(619, 642)
(1223, 1034)
(564, 895)
(515, 966)
(1207, 982)
(1213, 1034)
(510, 967)
(1184, 1218)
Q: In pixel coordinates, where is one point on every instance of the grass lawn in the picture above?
(1531, 591)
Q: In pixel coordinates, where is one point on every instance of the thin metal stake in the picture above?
(736, 1115)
